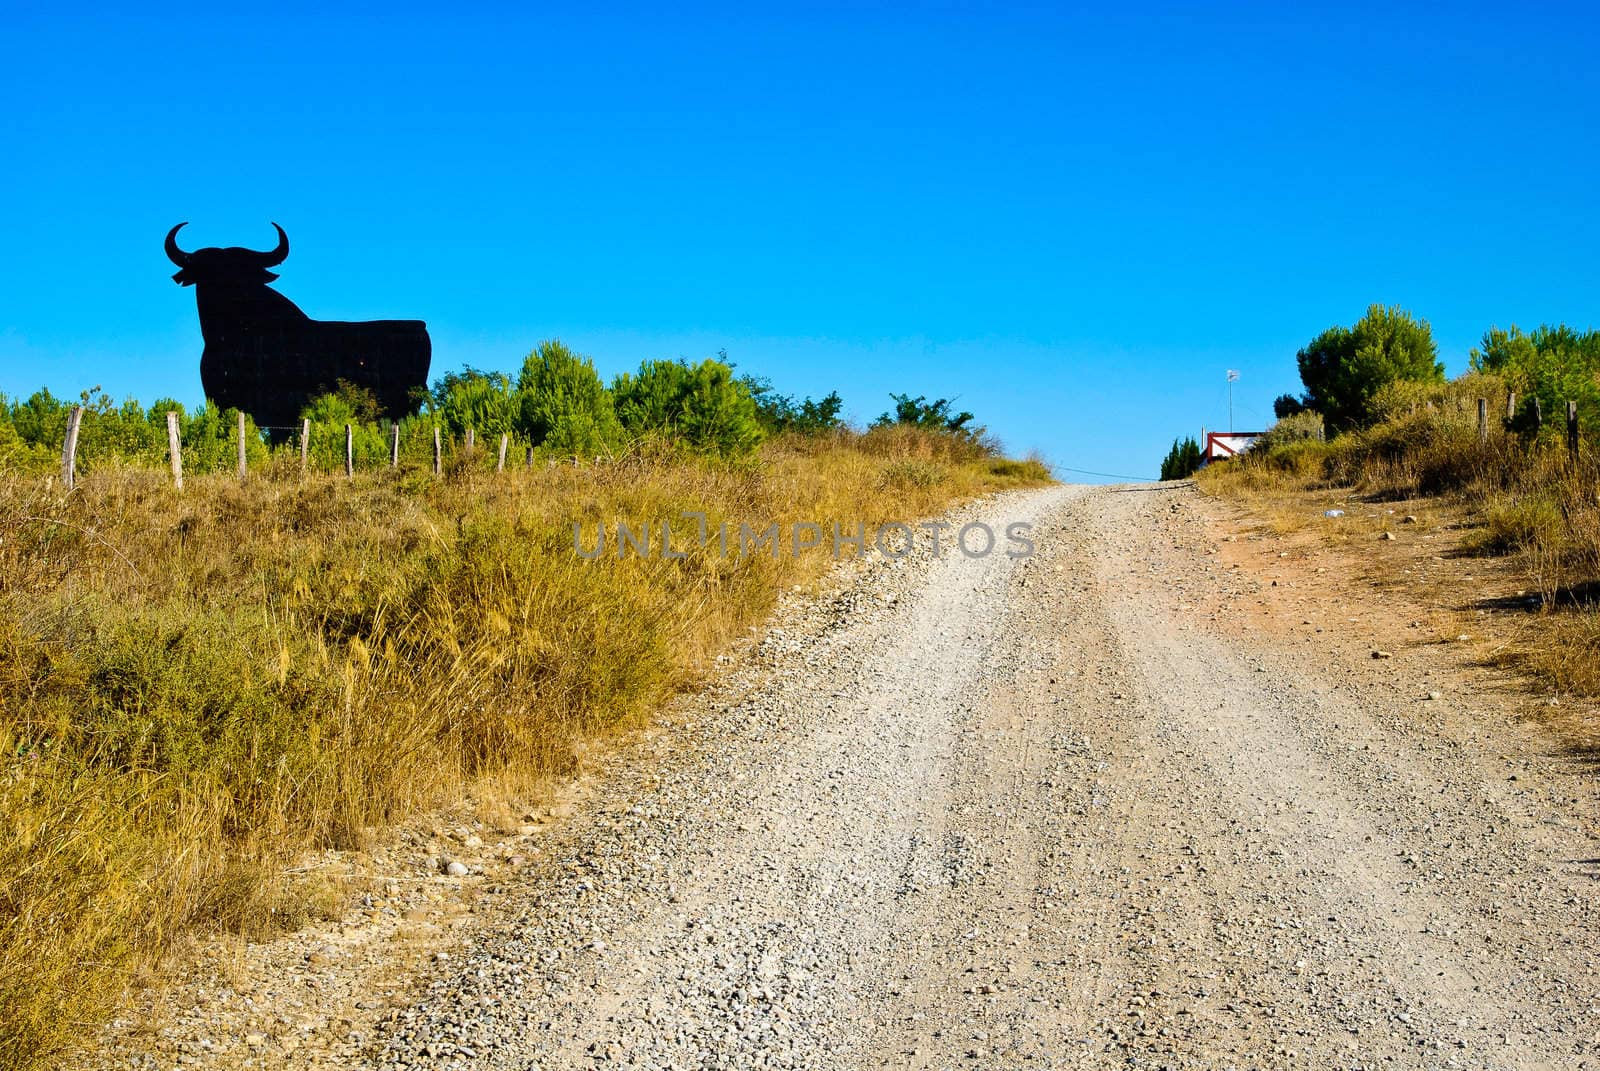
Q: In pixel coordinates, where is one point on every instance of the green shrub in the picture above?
(1456, 399)
(1305, 458)
(1298, 426)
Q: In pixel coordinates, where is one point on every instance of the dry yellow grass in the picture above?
(196, 685)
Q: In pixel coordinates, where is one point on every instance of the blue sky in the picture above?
(1074, 219)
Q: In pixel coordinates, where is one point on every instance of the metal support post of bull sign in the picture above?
(265, 357)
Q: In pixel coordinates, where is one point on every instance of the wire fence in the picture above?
(353, 446)
(302, 435)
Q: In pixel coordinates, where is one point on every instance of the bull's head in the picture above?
(230, 267)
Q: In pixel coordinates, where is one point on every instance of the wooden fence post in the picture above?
(349, 452)
(1538, 414)
(1511, 406)
(305, 444)
(244, 467)
(1572, 429)
(69, 449)
(394, 446)
(530, 457)
(500, 465)
(470, 439)
(175, 450)
(1483, 420)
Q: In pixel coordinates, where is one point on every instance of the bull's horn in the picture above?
(278, 255)
(174, 254)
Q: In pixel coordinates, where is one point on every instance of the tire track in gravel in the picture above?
(1036, 813)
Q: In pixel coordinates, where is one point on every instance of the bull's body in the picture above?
(269, 359)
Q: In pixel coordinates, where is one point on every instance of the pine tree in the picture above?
(1182, 460)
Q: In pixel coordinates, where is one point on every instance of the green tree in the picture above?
(1287, 405)
(157, 413)
(121, 432)
(935, 415)
(209, 437)
(41, 420)
(562, 405)
(486, 402)
(1552, 364)
(719, 416)
(651, 399)
(1182, 460)
(1344, 366)
(362, 403)
(780, 413)
(18, 451)
(702, 405)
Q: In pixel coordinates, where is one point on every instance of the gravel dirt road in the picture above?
(1054, 812)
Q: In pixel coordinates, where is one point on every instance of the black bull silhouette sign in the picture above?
(269, 359)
